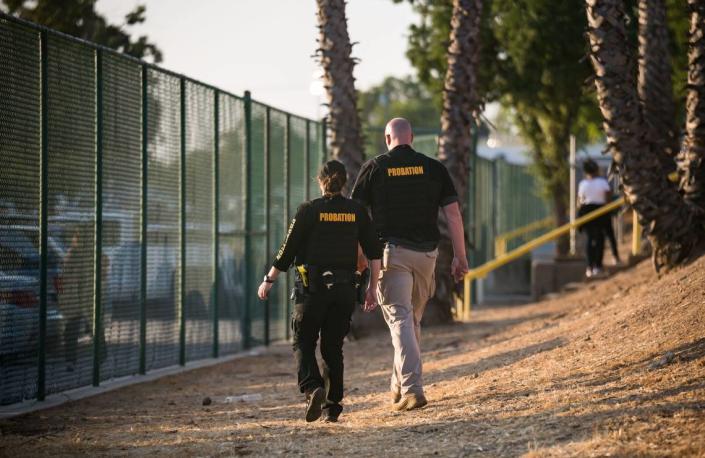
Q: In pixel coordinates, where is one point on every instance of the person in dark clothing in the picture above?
(593, 193)
(608, 229)
(323, 241)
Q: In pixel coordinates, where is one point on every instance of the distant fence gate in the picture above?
(138, 211)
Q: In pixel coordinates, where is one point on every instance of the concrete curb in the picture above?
(57, 399)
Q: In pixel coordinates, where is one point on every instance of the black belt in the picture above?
(326, 277)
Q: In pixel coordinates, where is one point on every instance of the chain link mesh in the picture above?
(316, 157)
(231, 230)
(200, 136)
(19, 210)
(122, 184)
(71, 205)
(484, 230)
(277, 224)
(259, 258)
(163, 219)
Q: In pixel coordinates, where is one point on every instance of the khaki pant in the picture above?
(406, 283)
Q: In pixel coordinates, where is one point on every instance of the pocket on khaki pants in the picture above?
(425, 279)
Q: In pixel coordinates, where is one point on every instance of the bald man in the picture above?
(404, 189)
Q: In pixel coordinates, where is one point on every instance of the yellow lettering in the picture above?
(336, 217)
(405, 171)
(281, 250)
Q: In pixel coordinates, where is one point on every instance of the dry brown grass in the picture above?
(580, 375)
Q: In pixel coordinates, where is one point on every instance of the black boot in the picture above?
(315, 399)
(333, 411)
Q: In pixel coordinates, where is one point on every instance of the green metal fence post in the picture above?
(182, 218)
(216, 218)
(246, 328)
(267, 197)
(287, 201)
(307, 156)
(143, 228)
(43, 223)
(98, 258)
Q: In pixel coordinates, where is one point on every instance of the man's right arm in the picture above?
(451, 210)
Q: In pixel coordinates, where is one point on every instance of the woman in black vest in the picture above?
(323, 241)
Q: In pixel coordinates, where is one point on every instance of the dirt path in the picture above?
(588, 374)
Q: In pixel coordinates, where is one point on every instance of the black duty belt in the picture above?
(327, 278)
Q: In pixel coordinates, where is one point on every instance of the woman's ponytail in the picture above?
(332, 177)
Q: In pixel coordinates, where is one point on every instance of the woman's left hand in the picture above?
(263, 290)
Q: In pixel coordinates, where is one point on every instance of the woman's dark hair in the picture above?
(590, 167)
(332, 176)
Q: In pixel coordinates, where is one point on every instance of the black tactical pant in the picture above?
(595, 231)
(326, 312)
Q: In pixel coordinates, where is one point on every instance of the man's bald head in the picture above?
(398, 132)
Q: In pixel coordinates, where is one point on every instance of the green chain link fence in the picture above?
(138, 211)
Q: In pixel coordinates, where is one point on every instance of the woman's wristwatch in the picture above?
(268, 279)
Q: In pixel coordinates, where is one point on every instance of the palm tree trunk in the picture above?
(460, 101)
(669, 222)
(334, 55)
(692, 158)
(654, 82)
(460, 96)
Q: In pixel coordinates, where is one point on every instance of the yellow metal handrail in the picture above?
(484, 269)
(500, 242)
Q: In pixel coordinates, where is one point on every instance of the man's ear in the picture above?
(387, 139)
(412, 138)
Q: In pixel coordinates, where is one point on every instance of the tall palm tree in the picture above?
(654, 82)
(673, 227)
(692, 158)
(461, 101)
(334, 55)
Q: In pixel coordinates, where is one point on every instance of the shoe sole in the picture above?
(314, 410)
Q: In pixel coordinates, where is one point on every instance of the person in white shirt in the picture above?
(593, 192)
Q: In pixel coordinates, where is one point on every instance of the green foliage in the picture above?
(396, 97)
(678, 25)
(80, 19)
(533, 62)
(399, 97)
(428, 46)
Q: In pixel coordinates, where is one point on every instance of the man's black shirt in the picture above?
(404, 190)
(325, 232)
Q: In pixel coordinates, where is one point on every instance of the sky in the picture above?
(265, 46)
